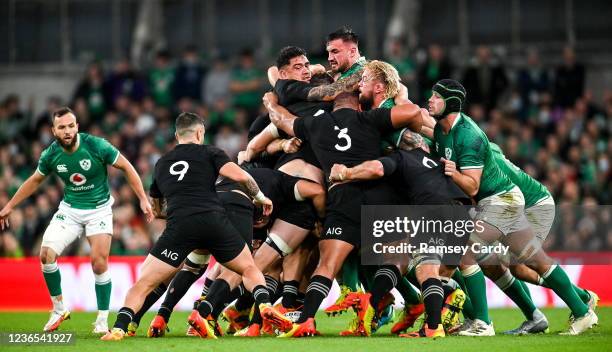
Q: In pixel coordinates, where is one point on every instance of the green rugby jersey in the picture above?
(358, 65)
(83, 172)
(533, 191)
(468, 146)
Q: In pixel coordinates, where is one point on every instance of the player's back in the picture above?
(422, 180)
(186, 177)
(344, 136)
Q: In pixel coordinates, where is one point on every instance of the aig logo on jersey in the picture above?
(334, 231)
(85, 164)
(78, 179)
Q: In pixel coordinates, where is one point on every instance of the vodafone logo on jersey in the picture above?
(78, 179)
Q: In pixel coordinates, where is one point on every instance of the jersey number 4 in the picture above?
(343, 135)
(179, 168)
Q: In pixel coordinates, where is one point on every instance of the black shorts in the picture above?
(239, 210)
(301, 214)
(209, 230)
(343, 218)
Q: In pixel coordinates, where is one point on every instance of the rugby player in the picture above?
(80, 161)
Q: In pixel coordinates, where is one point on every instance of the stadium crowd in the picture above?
(544, 118)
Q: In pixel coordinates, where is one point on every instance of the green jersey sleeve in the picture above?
(44, 167)
(472, 151)
(107, 151)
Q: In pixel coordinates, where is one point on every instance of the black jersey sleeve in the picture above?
(380, 118)
(219, 158)
(288, 186)
(258, 125)
(300, 128)
(290, 91)
(391, 162)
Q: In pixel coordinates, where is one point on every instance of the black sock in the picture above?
(290, 293)
(176, 290)
(149, 302)
(316, 292)
(433, 297)
(385, 279)
(299, 301)
(217, 309)
(206, 287)
(218, 293)
(124, 317)
(448, 285)
(245, 301)
(272, 285)
(261, 295)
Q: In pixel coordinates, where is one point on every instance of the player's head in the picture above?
(342, 49)
(64, 127)
(189, 128)
(349, 100)
(378, 79)
(448, 97)
(321, 78)
(292, 63)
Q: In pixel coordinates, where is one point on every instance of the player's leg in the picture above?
(100, 249)
(153, 272)
(293, 270)
(60, 233)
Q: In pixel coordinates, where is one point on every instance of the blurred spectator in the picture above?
(485, 80)
(91, 91)
(404, 64)
(435, 68)
(217, 82)
(569, 79)
(532, 81)
(124, 82)
(161, 80)
(189, 76)
(247, 84)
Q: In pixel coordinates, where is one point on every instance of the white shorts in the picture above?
(505, 211)
(68, 224)
(541, 217)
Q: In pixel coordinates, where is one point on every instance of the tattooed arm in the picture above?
(329, 92)
(412, 140)
(234, 172)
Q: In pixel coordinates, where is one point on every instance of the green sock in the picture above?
(103, 290)
(410, 295)
(53, 279)
(584, 295)
(468, 308)
(525, 288)
(350, 272)
(477, 289)
(557, 280)
(513, 289)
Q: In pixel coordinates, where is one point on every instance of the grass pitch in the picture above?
(598, 339)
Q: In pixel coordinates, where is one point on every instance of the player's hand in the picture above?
(450, 168)
(243, 157)
(338, 173)
(291, 145)
(147, 210)
(266, 204)
(270, 99)
(4, 214)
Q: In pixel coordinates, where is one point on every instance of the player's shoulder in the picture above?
(51, 150)
(467, 130)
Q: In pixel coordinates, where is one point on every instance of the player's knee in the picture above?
(99, 264)
(493, 272)
(47, 255)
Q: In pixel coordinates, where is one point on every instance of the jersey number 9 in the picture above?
(184, 166)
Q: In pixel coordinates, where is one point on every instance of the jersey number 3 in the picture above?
(179, 168)
(343, 135)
